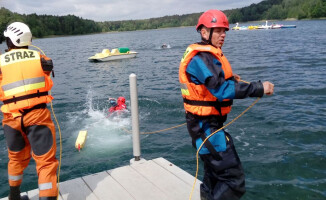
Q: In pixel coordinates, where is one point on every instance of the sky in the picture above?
(115, 10)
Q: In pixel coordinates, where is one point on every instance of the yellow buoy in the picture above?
(81, 139)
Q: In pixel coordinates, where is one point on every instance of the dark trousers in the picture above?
(223, 176)
(223, 179)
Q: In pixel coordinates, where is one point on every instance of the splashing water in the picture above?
(104, 133)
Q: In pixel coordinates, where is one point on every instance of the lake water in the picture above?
(281, 140)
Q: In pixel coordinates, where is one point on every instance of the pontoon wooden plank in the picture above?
(105, 187)
(136, 184)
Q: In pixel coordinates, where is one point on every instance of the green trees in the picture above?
(152, 23)
(47, 25)
(279, 9)
(318, 9)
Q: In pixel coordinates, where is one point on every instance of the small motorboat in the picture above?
(114, 54)
(288, 26)
(276, 26)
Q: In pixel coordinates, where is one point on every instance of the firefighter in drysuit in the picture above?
(208, 87)
(29, 131)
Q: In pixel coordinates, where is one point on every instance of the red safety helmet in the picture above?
(213, 19)
(121, 100)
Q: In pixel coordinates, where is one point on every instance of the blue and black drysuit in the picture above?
(223, 177)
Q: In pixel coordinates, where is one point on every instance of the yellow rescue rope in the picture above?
(55, 118)
(163, 129)
(193, 186)
(60, 149)
(166, 129)
(144, 133)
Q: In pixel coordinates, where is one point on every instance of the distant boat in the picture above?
(115, 54)
(252, 27)
(276, 26)
(288, 26)
(237, 28)
(266, 26)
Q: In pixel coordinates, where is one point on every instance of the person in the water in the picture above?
(116, 105)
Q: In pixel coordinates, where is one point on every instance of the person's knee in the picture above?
(41, 139)
(14, 138)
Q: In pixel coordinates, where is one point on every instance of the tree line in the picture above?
(279, 10)
(49, 25)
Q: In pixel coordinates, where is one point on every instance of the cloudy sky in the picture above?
(113, 10)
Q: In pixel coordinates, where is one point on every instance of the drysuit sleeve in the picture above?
(253, 89)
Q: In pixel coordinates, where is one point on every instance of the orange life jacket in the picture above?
(24, 83)
(197, 98)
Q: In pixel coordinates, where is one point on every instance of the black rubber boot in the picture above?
(204, 192)
(15, 194)
(48, 198)
(25, 197)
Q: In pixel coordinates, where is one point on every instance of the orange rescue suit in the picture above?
(197, 98)
(27, 124)
(24, 84)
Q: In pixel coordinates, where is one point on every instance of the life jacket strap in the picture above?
(29, 96)
(208, 103)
